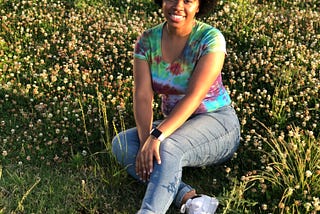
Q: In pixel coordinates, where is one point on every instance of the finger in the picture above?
(157, 157)
(150, 163)
(138, 169)
(143, 170)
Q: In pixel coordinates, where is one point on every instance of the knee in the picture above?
(117, 145)
(125, 146)
(170, 153)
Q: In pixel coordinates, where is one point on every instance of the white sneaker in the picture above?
(201, 204)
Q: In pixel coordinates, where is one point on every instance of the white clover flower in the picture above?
(243, 178)
(269, 168)
(4, 153)
(308, 173)
(316, 203)
(307, 206)
(228, 170)
(290, 191)
(264, 206)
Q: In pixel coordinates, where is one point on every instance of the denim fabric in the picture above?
(205, 139)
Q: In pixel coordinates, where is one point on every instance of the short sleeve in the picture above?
(141, 47)
(213, 41)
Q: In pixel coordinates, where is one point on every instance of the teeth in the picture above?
(177, 17)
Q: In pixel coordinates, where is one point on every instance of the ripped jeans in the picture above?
(205, 139)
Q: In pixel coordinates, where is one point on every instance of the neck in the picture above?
(175, 32)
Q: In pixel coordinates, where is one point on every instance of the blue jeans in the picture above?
(204, 139)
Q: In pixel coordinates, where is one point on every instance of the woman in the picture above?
(180, 59)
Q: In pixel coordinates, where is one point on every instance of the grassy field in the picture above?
(65, 91)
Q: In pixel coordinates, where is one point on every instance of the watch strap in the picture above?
(157, 134)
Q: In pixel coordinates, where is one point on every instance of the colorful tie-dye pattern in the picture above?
(171, 79)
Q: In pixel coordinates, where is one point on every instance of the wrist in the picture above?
(157, 134)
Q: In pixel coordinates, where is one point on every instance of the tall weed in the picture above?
(292, 175)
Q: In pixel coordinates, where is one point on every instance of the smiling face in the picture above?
(180, 13)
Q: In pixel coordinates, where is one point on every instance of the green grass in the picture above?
(40, 190)
(65, 91)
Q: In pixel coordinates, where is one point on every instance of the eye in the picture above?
(185, 1)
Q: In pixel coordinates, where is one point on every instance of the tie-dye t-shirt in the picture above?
(171, 79)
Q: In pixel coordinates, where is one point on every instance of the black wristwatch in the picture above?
(157, 134)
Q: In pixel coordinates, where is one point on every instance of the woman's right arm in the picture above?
(142, 99)
(143, 113)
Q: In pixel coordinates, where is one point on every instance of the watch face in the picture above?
(156, 133)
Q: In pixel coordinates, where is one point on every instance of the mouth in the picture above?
(176, 18)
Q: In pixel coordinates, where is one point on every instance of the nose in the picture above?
(178, 4)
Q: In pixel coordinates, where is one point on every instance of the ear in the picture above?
(198, 6)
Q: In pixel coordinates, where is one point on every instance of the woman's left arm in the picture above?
(206, 72)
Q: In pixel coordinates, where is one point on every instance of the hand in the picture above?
(144, 160)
